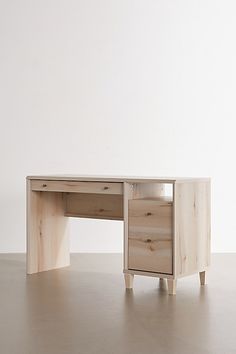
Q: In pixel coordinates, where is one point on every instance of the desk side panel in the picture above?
(47, 231)
(192, 227)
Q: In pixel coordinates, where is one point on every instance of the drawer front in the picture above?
(77, 187)
(150, 239)
(98, 206)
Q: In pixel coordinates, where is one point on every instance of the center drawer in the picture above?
(77, 187)
(150, 235)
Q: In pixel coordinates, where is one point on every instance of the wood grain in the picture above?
(47, 231)
(97, 206)
(77, 187)
(163, 237)
(192, 228)
(122, 179)
(150, 235)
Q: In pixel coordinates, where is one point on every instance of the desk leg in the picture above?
(129, 278)
(171, 286)
(47, 232)
(202, 276)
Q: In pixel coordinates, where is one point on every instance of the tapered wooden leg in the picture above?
(171, 286)
(47, 232)
(129, 278)
(202, 276)
(161, 283)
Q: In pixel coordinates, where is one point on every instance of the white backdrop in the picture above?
(133, 87)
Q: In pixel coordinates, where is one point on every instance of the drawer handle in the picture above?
(105, 188)
(44, 185)
(101, 210)
(148, 240)
(148, 214)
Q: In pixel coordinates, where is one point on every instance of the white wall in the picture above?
(134, 87)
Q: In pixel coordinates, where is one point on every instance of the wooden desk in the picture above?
(166, 222)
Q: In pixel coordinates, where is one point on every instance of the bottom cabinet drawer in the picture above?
(150, 239)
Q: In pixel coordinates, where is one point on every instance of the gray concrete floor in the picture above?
(85, 309)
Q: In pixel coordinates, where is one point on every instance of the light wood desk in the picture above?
(166, 222)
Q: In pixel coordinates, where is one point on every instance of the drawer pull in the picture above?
(44, 185)
(148, 214)
(105, 188)
(101, 210)
(148, 240)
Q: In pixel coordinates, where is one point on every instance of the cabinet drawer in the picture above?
(150, 236)
(77, 187)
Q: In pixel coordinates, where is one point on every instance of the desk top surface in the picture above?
(131, 179)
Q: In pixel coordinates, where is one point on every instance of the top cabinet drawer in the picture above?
(77, 187)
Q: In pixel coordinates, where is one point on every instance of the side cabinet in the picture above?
(167, 230)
